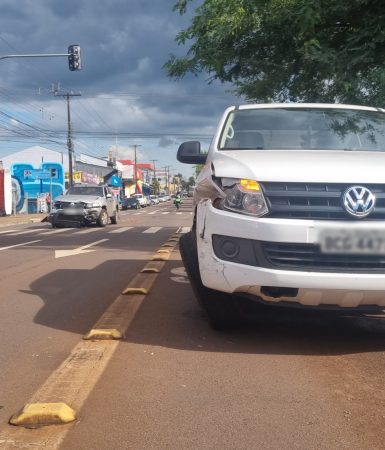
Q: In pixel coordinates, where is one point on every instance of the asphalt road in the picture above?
(284, 380)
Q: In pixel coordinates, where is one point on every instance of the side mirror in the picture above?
(190, 153)
(109, 196)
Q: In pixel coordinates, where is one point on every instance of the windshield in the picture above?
(304, 128)
(86, 190)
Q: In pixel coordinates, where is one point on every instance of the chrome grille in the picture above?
(64, 205)
(316, 200)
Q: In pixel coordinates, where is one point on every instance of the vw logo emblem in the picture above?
(359, 201)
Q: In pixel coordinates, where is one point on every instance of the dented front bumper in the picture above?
(232, 259)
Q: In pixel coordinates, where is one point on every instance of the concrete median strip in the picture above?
(41, 414)
(160, 257)
(153, 267)
(60, 398)
(150, 270)
(99, 333)
(163, 250)
(135, 290)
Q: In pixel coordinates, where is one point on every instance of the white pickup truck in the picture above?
(289, 210)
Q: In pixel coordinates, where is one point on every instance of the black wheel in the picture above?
(115, 218)
(102, 219)
(221, 308)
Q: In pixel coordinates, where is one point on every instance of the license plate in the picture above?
(72, 211)
(369, 242)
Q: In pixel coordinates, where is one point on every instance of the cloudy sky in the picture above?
(126, 97)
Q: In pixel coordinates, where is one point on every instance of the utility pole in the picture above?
(135, 175)
(70, 145)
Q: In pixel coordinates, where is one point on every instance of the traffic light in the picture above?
(53, 172)
(74, 60)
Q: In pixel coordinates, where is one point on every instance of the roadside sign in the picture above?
(42, 174)
(37, 174)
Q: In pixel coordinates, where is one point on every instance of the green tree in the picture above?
(198, 169)
(288, 50)
(191, 181)
(155, 186)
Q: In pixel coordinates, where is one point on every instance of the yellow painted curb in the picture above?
(167, 245)
(164, 250)
(40, 414)
(103, 333)
(150, 270)
(133, 291)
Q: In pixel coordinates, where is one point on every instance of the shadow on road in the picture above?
(75, 299)
(171, 317)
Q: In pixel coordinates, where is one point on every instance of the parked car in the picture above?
(289, 210)
(154, 199)
(142, 199)
(130, 203)
(85, 204)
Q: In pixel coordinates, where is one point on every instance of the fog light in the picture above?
(230, 249)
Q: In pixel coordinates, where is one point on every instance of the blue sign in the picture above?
(36, 174)
(35, 181)
(114, 181)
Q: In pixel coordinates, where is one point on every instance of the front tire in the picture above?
(102, 219)
(220, 307)
(115, 218)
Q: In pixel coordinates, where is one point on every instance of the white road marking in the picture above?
(168, 212)
(179, 271)
(121, 230)
(79, 250)
(179, 213)
(152, 230)
(19, 245)
(60, 230)
(7, 231)
(88, 230)
(153, 212)
(183, 230)
(36, 230)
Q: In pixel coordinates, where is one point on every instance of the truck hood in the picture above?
(301, 166)
(78, 198)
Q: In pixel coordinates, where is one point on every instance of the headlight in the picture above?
(91, 205)
(245, 197)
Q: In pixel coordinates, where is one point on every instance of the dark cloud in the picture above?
(124, 87)
(167, 142)
(65, 9)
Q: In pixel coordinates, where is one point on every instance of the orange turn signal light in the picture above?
(250, 185)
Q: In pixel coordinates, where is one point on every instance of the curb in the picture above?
(6, 221)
